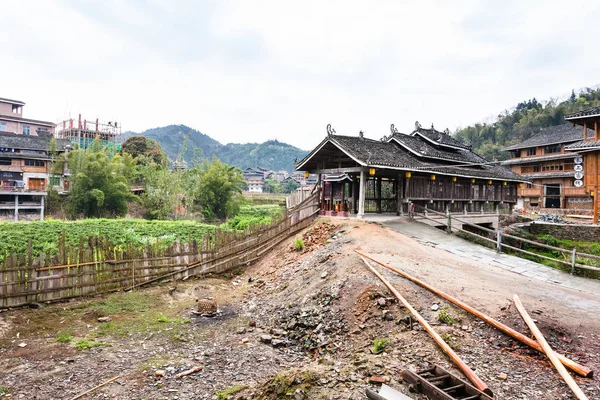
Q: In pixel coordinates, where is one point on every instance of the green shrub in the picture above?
(299, 244)
(64, 337)
(445, 316)
(549, 240)
(379, 345)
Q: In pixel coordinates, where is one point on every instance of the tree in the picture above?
(289, 186)
(99, 184)
(216, 189)
(144, 150)
(163, 190)
(271, 186)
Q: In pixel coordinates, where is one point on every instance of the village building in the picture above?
(24, 161)
(555, 182)
(25, 173)
(12, 120)
(589, 148)
(426, 169)
(255, 178)
(82, 133)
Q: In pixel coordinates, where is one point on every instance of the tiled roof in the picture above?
(9, 101)
(590, 112)
(533, 160)
(565, 133)
(42, 142)
(541, 175)
(368, 152)
(583, 145)
(441, 138)
(26, 120)
(425, 149)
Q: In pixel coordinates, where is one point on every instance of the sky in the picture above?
(250, 71)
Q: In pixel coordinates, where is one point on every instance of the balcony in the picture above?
(530, 192)
(572, 192)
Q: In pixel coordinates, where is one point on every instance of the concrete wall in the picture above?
(585, 233)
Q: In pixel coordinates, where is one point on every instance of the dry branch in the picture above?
(96, 387)
(189, 372)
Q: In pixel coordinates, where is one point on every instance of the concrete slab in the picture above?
(453, 244)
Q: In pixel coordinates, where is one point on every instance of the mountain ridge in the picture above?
(193, 144)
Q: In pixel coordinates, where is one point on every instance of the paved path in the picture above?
(437, 238)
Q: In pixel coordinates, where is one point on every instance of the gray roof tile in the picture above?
(584, 113)
(441, 138)
(583, 145)
(425, 149)
(564, 133)
(41, 142)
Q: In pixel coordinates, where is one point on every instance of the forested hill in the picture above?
(192, 144)
(522, 122)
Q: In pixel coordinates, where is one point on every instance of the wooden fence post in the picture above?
(449, 223)
(499, 241)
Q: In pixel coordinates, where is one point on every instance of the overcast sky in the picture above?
(251, 70)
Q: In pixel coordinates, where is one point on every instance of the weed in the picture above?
(4, 390)
(445, 316)
(448, 338)
(84, 344)
(64, 337)
(299, 244)
(165, 319)
(379, 344)
(224, 395)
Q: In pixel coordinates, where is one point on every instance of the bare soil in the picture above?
(298, 325)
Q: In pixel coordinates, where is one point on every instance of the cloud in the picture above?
(250, 71)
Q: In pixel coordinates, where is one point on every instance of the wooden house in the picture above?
(551, 169)
(426, 168)
(589, 148)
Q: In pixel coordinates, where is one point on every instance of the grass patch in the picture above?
(445, 316)
(225, 394)
(379, 344)
(4, 390)
(85, 344)
(64, 337)
(138, 301)
(299, 244)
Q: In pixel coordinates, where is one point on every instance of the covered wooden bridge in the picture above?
(426, 169)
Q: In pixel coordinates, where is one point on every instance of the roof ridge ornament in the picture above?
(417, 126)
(393, 129)
(330, 130)
(447, 131)
(432, 128)
(361, 135)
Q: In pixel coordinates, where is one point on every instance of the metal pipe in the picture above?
(572, 365)
(479, 384)
(548, 350)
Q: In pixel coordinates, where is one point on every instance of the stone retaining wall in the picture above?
(584, 233)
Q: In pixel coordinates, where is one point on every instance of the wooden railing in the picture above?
(530, 192)
(499, 239)
(574, 192)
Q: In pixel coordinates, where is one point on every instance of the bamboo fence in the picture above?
(96, 265)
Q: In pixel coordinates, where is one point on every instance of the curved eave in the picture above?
(298, 167)
(441, 144)
(428, 156)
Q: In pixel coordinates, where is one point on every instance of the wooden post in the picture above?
(596, 172)
(399, 191)
(42, 210)
(573, 259)
(343, 205)
(548, 350)
(499, 241)
(449, 222)
(378, 194)
(361, 195)
(331, 206)
(596, 133)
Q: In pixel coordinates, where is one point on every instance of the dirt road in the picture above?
(299, 325)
